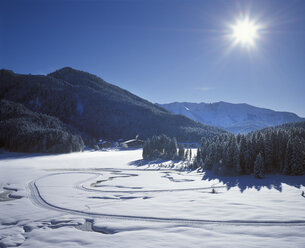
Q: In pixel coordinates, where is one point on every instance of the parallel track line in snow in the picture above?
(38, 199)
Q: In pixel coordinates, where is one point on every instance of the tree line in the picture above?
(164, 147)
(271, 150)
(275, 150)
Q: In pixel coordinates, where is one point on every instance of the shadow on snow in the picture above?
(163, 163)
(18, 155)
(250, 182)
(242, 182)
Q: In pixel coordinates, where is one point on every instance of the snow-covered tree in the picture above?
(160, 147)
(181, 152)
(259, 166)
(282, 150)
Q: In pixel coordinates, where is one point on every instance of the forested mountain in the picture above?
(278, 149)
(22, 130)
(235, 118)
(96, 108)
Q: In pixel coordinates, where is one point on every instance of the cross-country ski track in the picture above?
(37, 198)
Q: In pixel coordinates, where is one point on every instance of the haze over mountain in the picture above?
(235, 118)
(96, 109)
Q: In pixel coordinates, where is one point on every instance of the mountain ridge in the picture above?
(224, 102)
(233, 117)
(97, 109)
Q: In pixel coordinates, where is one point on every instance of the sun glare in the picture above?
(245, 32)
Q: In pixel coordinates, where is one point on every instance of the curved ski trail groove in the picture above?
(37, 199)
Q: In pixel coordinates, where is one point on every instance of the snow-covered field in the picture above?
(102, 199)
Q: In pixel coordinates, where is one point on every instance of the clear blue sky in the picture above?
(164, 50)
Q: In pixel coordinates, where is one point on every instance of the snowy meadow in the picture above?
(110, 199)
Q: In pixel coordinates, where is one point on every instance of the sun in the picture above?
(245, 32)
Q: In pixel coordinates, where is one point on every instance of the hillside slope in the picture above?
(235, 118)
(22, 130)
(96, 108)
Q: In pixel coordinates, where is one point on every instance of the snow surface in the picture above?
(103, 199)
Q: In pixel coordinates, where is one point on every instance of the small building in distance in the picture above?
(104, 144)
(133, 143)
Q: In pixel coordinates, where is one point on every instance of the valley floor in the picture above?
(103, 199)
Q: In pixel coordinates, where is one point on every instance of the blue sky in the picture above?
(164, 51)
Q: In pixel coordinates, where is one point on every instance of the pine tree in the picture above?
(146, 149)
(171, 148)
(297, 167)
(259, 143)
(247, 159)
(242, 149)
(268, 153)
(198, 156)
(280, 156)
(259, 166)
(289, 159)
(181, 152)
(208, 163)
(232, 158)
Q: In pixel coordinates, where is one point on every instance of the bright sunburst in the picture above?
(245, 32)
